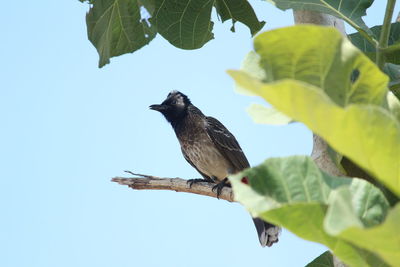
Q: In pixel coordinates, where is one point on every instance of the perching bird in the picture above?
(211, 149)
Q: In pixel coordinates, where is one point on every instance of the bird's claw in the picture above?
(218, 187)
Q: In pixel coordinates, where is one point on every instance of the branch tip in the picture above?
(150, 182)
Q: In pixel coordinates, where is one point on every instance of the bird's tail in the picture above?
(267, 233)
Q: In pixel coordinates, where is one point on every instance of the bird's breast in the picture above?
(205, 156)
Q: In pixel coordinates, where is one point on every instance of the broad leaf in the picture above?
(149, 5)
(394, 37)
(115, 27)
(350, 11)
(260, 113)
(367, 134)
(251, 65)
(239, 10)
(323, 260)
(187, 24)
(394, 105)
(267, 115)
(393, 71)
(383, 239)
(295, 193)
(321, 56)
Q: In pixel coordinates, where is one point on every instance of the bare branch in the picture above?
(149, 182)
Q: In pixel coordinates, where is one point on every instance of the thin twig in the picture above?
(149, 182)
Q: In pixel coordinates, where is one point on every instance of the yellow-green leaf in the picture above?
(267, 115)
(367, 134)
(321, 56)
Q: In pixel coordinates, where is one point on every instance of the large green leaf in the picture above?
(383, 239)
(251, 65)
(239, 10)
(115, 27)
(394, 37)
(259, 113)
(323, 260)
(267, 115)
(367, 134)
(349, 10)
(294, 193)
(187, 24)
(184, 23)
(321, 56)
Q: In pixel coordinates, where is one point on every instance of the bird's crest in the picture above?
(178, 97)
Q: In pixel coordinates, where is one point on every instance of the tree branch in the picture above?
(320, 153)
(149, 182)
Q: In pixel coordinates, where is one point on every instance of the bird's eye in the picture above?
(173, 102)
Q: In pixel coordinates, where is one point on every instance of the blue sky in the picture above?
(69, 127)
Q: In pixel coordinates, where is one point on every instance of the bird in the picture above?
(210, 148)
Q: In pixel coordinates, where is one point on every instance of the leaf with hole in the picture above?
(367, 134)
(322, 57)
(115, 27)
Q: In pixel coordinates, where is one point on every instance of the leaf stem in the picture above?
(384, 38)
(391, 48)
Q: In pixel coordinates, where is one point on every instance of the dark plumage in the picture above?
(210, 148)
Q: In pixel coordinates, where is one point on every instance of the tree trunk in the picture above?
(320, 152)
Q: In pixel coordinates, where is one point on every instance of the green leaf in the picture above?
(321, 56)
(294, 193)
(259, 113)
(115, 27)
(350, 11)
(187, 24)
(323, 260)
(393, 71)
(251, 65)
(394, 105)
(239, 10)
(149, 5)
(394, 37)
(383, 239)
(367, 134)
(267, 115)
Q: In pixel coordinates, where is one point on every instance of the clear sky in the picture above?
(68, 127)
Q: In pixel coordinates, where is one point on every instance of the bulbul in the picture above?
(211, 149)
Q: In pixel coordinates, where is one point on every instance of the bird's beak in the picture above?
(159, 108)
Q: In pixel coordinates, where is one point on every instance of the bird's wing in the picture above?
(226, 144)
(194, 166)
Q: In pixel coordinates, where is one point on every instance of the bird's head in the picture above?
(174, 107)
